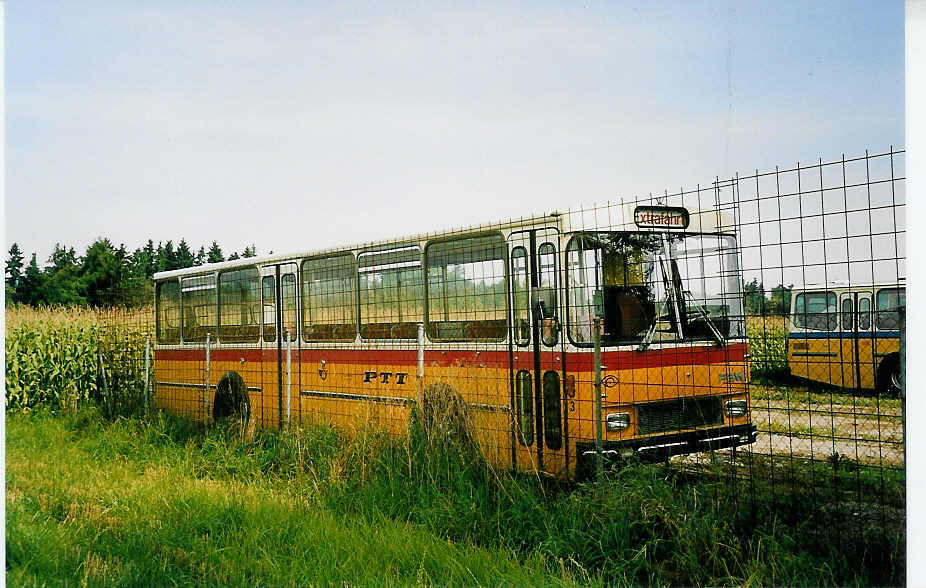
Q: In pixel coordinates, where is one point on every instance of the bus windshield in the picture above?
(655, 287)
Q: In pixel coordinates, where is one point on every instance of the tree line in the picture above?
(105, 275)
(775, 301)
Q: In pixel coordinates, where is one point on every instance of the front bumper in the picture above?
(664, 446)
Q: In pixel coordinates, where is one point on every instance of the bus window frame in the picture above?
(850, 298)
(835, 314)
(567, 290)
(901, 291)
(864, 296)
(354, 295)
(505, 281)
(296, 305)
(237, 341)
(399, 300)
(157, 313)
(517, 340)
(553, 340)
(263, 308)
(524, 400)
(215, 305)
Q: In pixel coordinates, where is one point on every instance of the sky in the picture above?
(301, 126)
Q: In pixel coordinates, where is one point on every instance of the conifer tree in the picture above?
(14, 272)
(184, 255)
(28, 290)
(215, 253)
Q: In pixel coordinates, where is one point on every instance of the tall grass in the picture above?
(94, 498)
(167, 501)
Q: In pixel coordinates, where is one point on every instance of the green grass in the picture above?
(163, 501)
(812, 395)
(132, 503)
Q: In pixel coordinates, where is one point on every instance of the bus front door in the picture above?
(539, 429)
(280, 307)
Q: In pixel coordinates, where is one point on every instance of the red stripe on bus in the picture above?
(575, 361)
(628, 360)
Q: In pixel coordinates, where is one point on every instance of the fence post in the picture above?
(147, 368)
(420, 378)
(902, 311)
(289, 373)
(598, 435)
(206, 383)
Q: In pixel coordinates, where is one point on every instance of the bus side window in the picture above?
(238, 298)
(270, 308)
(888, 303)
(168, 316)
(846, 314)
(466, 289)
(546, 256)
(520, 292)
(552, 427)
(329, 298)
(199, 303)
(288, 293)
(815, 311)
(391, 292)
(864, 314)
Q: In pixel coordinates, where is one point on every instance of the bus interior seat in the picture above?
(626, 315)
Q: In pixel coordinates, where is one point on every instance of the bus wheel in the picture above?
(888, 382)
(444, 416)
(231, 399)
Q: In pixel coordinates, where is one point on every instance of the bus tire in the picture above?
(888, 378)
(231, 399)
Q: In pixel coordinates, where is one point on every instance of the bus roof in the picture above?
(844, 285)
(607, 217)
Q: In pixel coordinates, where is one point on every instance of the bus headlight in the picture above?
(617, 421)
(736, 408)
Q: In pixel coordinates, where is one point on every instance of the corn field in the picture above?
(768, 345)
(62, 358)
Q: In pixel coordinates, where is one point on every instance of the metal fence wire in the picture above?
(751, 325)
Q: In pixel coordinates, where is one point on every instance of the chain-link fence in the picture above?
(751, 326)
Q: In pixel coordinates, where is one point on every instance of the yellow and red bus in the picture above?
(847, 336)
(498, 318)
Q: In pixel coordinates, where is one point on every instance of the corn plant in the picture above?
(768, 345)
(61, 358)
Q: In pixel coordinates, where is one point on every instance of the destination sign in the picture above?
(661, 217)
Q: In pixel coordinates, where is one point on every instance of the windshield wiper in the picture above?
(702, 312)
(677, 297)
(648, 339)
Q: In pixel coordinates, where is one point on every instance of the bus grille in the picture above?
(685, 413)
